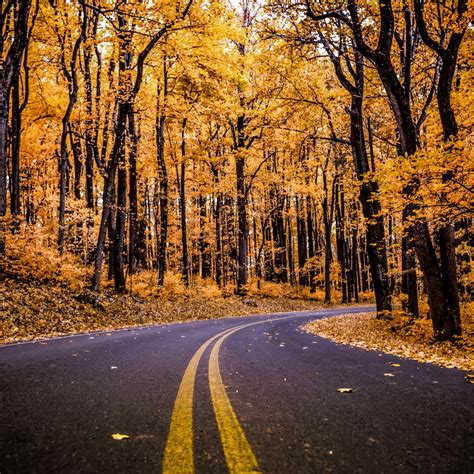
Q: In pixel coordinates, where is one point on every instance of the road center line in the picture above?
(238, 453)
(179, 455)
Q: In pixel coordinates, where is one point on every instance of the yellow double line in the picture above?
(179, 454)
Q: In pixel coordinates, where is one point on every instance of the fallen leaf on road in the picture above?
(113, 367)
(119, 436)
(388, 375)
(393, 364)
(344, 390)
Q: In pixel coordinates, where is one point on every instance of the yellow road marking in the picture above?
(179, 455)
(238, 453)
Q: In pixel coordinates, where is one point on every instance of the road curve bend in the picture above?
(247, 394)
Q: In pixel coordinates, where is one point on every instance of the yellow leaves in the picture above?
(438, 198)
(394, 336)
(119, 436)
(345, 390)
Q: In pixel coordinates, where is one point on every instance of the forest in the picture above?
(324, 146)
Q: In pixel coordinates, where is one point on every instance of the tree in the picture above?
(14, 21)
(125, 106)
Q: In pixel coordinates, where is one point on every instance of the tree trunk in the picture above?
(89, 130)
(182, 202)
(120, 221)
(327, 265)
(203, 246)
(73, 89)
(302, 244)
(242, 231)
(4, 110)
(108, 195)
(163, 200)
(133, 195)
(311, 247)
(341, 245)
(10, 66)
(15, 149)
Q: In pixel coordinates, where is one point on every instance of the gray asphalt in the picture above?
(61, 399)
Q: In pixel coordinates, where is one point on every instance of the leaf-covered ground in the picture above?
(34, 310)
(399, 336)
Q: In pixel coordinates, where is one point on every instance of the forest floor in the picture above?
(42, 296)
(35, 309)
(402, 336)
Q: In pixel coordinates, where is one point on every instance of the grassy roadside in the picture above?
(401, 336)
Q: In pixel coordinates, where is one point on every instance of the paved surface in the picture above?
(261, 398)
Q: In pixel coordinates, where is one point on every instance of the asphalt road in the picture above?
(202, 396)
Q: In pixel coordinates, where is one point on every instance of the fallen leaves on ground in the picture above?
(120, 436)
(400, 336)
(31, 310)
(345, 390)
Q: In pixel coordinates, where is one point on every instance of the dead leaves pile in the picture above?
(400, 337)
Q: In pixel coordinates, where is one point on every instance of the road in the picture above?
(243, 394)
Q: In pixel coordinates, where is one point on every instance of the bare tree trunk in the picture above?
(203, 246)
(108, 195)
(218, 226)
(163, 192)
(132, 195)
(311, 246)
(9, 69)
(242, 230)
(182, 202)
(15, 149)
(71, 76)
(341, 245)
(302, 244)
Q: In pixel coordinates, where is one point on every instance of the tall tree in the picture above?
(125, 106)
(14, 21)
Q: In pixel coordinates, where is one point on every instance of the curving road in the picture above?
(243, 394)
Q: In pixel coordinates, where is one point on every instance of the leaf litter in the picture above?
(400, 336)
(34, 310)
